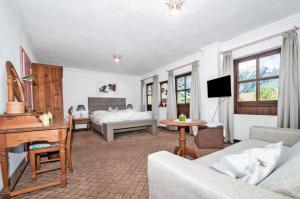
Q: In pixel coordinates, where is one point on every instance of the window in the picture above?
(183, 88)
(256, 83)
(163, 93)
(149, 96)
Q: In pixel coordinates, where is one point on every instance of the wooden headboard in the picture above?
(102, 103)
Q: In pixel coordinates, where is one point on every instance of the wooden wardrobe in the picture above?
(47, 89)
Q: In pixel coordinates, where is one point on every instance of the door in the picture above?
(183, 93)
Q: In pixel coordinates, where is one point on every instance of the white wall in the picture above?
(12, 37)
(243, 122)
(210, 62)
(78, 85)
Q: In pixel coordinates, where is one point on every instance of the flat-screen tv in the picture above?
(220, 87)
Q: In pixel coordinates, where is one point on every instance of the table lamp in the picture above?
(129, 106)
(80, 108)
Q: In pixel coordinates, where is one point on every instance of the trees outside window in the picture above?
(256, 83)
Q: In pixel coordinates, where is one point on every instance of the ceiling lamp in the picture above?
(174, 7)
(117, 57)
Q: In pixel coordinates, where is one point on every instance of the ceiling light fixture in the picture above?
(174, 7)
(117, 57)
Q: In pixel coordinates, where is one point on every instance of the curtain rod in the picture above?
(260, 40)
(147, 78)
(183, 65)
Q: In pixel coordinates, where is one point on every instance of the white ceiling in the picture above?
(85, 33)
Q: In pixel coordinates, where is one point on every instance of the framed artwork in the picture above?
(106, 87)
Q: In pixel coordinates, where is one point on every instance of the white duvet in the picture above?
(118, 116)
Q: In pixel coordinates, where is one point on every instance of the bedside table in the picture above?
(81, 121)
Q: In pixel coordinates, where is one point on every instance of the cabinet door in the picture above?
(47, 92)
(56, 94)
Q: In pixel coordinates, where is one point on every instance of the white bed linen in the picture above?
(123, 115)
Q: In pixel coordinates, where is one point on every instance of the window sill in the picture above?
(256, 109)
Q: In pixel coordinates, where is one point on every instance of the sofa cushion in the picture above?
(289, 186)
(40, 145)
(285, 174)
(208, 160)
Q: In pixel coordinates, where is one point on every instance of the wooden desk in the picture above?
(24, 133)
(182, 150)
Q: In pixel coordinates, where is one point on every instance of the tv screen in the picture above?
(220, 87)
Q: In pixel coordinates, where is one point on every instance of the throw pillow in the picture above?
(251, 165)
(110, 109)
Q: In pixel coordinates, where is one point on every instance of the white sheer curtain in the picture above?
(288, 100)
(195, 95)
(171, 99)
(226, 107)
(155, 97)
(142, 98)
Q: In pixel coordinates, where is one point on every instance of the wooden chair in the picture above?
(37, 148)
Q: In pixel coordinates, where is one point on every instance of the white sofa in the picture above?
(174, 177)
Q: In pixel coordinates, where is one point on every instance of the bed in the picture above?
(110, 123)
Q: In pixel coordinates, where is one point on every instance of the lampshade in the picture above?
(129, 106)
(80, 108)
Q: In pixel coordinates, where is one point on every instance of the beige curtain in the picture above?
(288, 100)
(155, 98)
(195, 96)
(171, 99)
(142, 98)
(226, 107)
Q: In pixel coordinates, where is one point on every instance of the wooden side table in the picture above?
(182, 149)
(81, 121)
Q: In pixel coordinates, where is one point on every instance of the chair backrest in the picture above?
(70, 124)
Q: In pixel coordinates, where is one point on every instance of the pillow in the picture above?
(110, 109)
(116, 109)
(251, 165)
(94, 113)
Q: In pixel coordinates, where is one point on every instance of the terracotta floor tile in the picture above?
(108, 170)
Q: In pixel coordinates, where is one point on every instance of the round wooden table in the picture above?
(182, 149)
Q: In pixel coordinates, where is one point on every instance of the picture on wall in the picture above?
(106, 87)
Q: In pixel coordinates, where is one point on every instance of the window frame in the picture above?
(161, 99)
(149, 106)
(257, 107)
(185, 89)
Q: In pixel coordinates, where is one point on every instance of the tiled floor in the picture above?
(108, 170)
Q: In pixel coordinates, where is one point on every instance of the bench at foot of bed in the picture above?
(109, 129)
